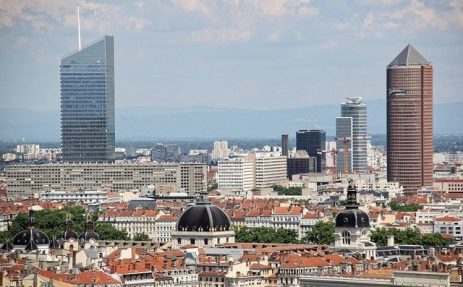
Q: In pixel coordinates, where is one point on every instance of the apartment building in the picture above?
(236, 174)
(33, 180)
(271, 168)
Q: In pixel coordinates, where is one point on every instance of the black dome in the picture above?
(30, 237)
(203, 216)
(89, 233)
(352, 216)
(68, 233)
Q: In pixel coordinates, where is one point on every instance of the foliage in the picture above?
(281, 190)
(265, 235)
(140, 237)
(322, 233)
(408, 236)
(410, 207)
(53, 222)
(212, 187)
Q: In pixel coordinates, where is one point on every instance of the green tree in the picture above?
(281, 190)
(107, 232)
(140, 237)
(322, 233)
(379, 236)
(212, 187)
(265, 235)
(409, 207)
(434, 239)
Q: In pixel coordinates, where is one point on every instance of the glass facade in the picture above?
(313, 142)
(87, 103)
(357, 110)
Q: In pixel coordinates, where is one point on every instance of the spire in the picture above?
(31, 220)
(352, 196)
(78, 28)
(408, 57)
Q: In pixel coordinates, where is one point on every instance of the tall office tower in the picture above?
(87, 103)
(357, 110)
(284, 145)
(313, 142)
(344, 128)
(409, 120)
(165, 153)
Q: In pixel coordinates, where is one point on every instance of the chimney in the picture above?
(390, 240)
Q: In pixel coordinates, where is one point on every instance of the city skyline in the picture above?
(288, 51)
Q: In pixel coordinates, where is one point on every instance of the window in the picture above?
(192, 241)
(346, 237)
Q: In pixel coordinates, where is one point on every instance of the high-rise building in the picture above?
(270, 168)
(284, 145)
(357, 110)
(220, 150)
(236, 174)
(87, 103)
(165, 153)
(409, 120)
(344, 129)
(313, 142)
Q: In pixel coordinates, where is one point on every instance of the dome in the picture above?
(89, 233)
(351, 216)
(55, 244)
(203, 216)
(30, 238)
(68, 233)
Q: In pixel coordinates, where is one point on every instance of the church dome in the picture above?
(351, 216)
(89, 233)
(68, 233)
(30, 238)
(203, 216)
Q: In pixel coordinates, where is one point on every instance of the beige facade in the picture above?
(33, 180)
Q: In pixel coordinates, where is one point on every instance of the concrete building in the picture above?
(164, 226)
(165, 153)
(409, 120)
(33, 180)
(270, 168)
(220, 150)
(301, 163)
(356, 109)
(236, 174)
(344, 130)
(87, 103)
(83, 196)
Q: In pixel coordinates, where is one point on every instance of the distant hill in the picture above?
(145, 123)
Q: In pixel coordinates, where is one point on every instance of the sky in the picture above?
(267, 54)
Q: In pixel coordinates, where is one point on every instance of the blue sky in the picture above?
(266, 54)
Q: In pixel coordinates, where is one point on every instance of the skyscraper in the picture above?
(284, 145)
(313, 142)
(87, 103)
(344, 129)
(357, 110)
(409, 120)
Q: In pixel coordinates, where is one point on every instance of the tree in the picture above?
(107, 232)
(411, 236)
(140, 237)
(281, 190)
(409, 207)
(434, 239)
(322, 233)
(53, 222)
(212, 187)
(379, 236)
(265, 235)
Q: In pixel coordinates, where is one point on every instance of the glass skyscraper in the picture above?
(313, 142)
(87, 103)
(357, 110)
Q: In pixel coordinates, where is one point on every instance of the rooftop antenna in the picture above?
(78, 26)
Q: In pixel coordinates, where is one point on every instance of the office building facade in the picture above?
(344, 162)
(284, 145)
(87, 103)
(409, 120)
(313, 142)
(357, 110)
(236, 174)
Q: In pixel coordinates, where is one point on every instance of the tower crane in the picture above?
(346, 145)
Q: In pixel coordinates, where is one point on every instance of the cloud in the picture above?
(220, 36)
(274, 36)
(46, 15)
(20, 42)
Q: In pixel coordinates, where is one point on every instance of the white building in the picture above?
(84, 196)
(270, 168)
(164, 226)
(449, 225)
(132, 221)
(236, 174)
(220, 150)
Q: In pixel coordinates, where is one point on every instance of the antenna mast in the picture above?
(78, 27)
